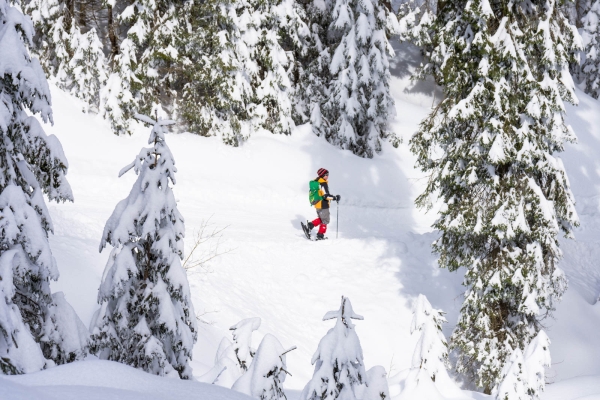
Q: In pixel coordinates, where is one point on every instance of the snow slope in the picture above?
(258, 192)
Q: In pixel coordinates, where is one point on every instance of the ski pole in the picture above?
(337, 219)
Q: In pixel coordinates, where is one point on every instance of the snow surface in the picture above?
(102, 380)
(382, 259)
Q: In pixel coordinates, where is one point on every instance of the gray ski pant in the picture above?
(324, 214)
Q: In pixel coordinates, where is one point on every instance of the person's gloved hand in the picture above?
(337, 198)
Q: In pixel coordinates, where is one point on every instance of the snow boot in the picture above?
(320, 236)
(309, 225)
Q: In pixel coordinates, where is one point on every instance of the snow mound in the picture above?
(101, 380)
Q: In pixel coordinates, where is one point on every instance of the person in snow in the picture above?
(322, 203)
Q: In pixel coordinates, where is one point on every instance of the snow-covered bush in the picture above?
(523, 376)
(242, 340)
(232, 359)
(265, 376)
(146, 318)
(431, 352)
(33, 325)
(339, 367)
(226, 369)
(66, 339)
(377, 384)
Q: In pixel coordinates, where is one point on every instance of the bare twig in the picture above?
(199, 256)
(200, 319)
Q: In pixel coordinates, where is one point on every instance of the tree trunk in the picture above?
(112, 36)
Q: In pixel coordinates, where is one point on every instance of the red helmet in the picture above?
(322, 172)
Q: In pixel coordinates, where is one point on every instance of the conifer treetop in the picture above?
(344, 313)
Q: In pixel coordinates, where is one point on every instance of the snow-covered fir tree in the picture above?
(146, 318)
(339, 367)
(346, 79)
(75, 59)
(237, 81)
(590, 69)
(145, 66)
(118, 99)
(311, 85)
(156, 36)
(431, 352)
(266, 374)
(217, 89)
(87, 69)
(35, 328)
(490, 148)
(260, 24)
(52, 24)
(523, 376)
(415, 19)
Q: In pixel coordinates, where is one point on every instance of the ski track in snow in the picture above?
(259, 194)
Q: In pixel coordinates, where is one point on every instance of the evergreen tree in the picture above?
(52, 23)
(590, 70)
(237, 81)
(74, 58)
(260, 23)
(32, 164)
(266, 374)
(146, 318)
(87, 69)
(347, 83)
(490, 149)
(339, 368)
(156, 36)
(118, 98)
(312, 84)
(216, 89)
(415, 19)
(146, 66)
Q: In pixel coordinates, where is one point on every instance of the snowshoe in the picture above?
(306, 231)
(320, 236)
